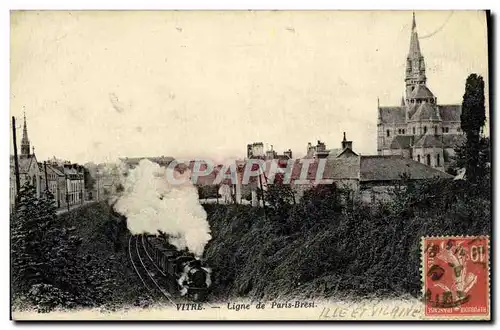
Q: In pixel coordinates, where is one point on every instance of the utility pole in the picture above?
(67, 188)
(262, 191)
(46, 178)
(97, 177)
(82, 183)
(16, 160)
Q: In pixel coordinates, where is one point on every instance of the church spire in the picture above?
(415, 64)
(414, 43)
(25, 142)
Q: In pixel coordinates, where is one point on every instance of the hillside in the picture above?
(321, 248)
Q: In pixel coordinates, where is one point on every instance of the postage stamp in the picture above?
(250, 165)
(456, 277)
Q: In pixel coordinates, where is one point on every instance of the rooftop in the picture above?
(391, 168)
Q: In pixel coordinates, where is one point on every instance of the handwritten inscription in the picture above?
(371, 311)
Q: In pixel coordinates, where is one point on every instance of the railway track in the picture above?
(155, 281)
(150, 275)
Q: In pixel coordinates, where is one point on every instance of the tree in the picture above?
(280, 196)
(472, 120)
(47, 271)
(24, 237)
(88, 179)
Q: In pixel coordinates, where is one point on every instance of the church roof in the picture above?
(421, 92)
(426, 111)
(392, 115)
(396, 114)
(401, 142)
(428, 141)
(412, 108)
(450, 112)
(390, 168)
(24, 162)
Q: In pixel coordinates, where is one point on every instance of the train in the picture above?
(174, 265)
(183, 270)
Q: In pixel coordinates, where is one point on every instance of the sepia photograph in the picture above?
(250, 165)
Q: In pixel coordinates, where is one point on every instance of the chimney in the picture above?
(346, 144)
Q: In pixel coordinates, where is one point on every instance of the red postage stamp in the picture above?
(456, 277)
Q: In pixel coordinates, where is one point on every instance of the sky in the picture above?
(99, 85)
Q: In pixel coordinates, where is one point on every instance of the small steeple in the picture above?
(25, 142)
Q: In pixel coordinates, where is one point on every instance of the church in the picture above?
(420, 128)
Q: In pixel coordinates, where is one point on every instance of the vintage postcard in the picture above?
(250, 165)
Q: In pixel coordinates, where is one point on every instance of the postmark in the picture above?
(456, 277)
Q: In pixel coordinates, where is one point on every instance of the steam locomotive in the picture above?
(182, 269)
(176, 266)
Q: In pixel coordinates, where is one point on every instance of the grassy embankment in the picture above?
(318, 248)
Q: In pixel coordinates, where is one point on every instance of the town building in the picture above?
(75, 183)
(369, 178)
(55, 180)
(319, 150)
(256, 151)
(419, 128)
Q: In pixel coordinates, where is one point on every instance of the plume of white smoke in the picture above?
(151, 203)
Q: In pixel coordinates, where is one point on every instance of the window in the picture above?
(435, 130)
(442, 129)
(388, 133)
(425, 129)
(403, 131)
(413, 130)
(428, 160)
(446, 129)
(438, 160)
(418, 158)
